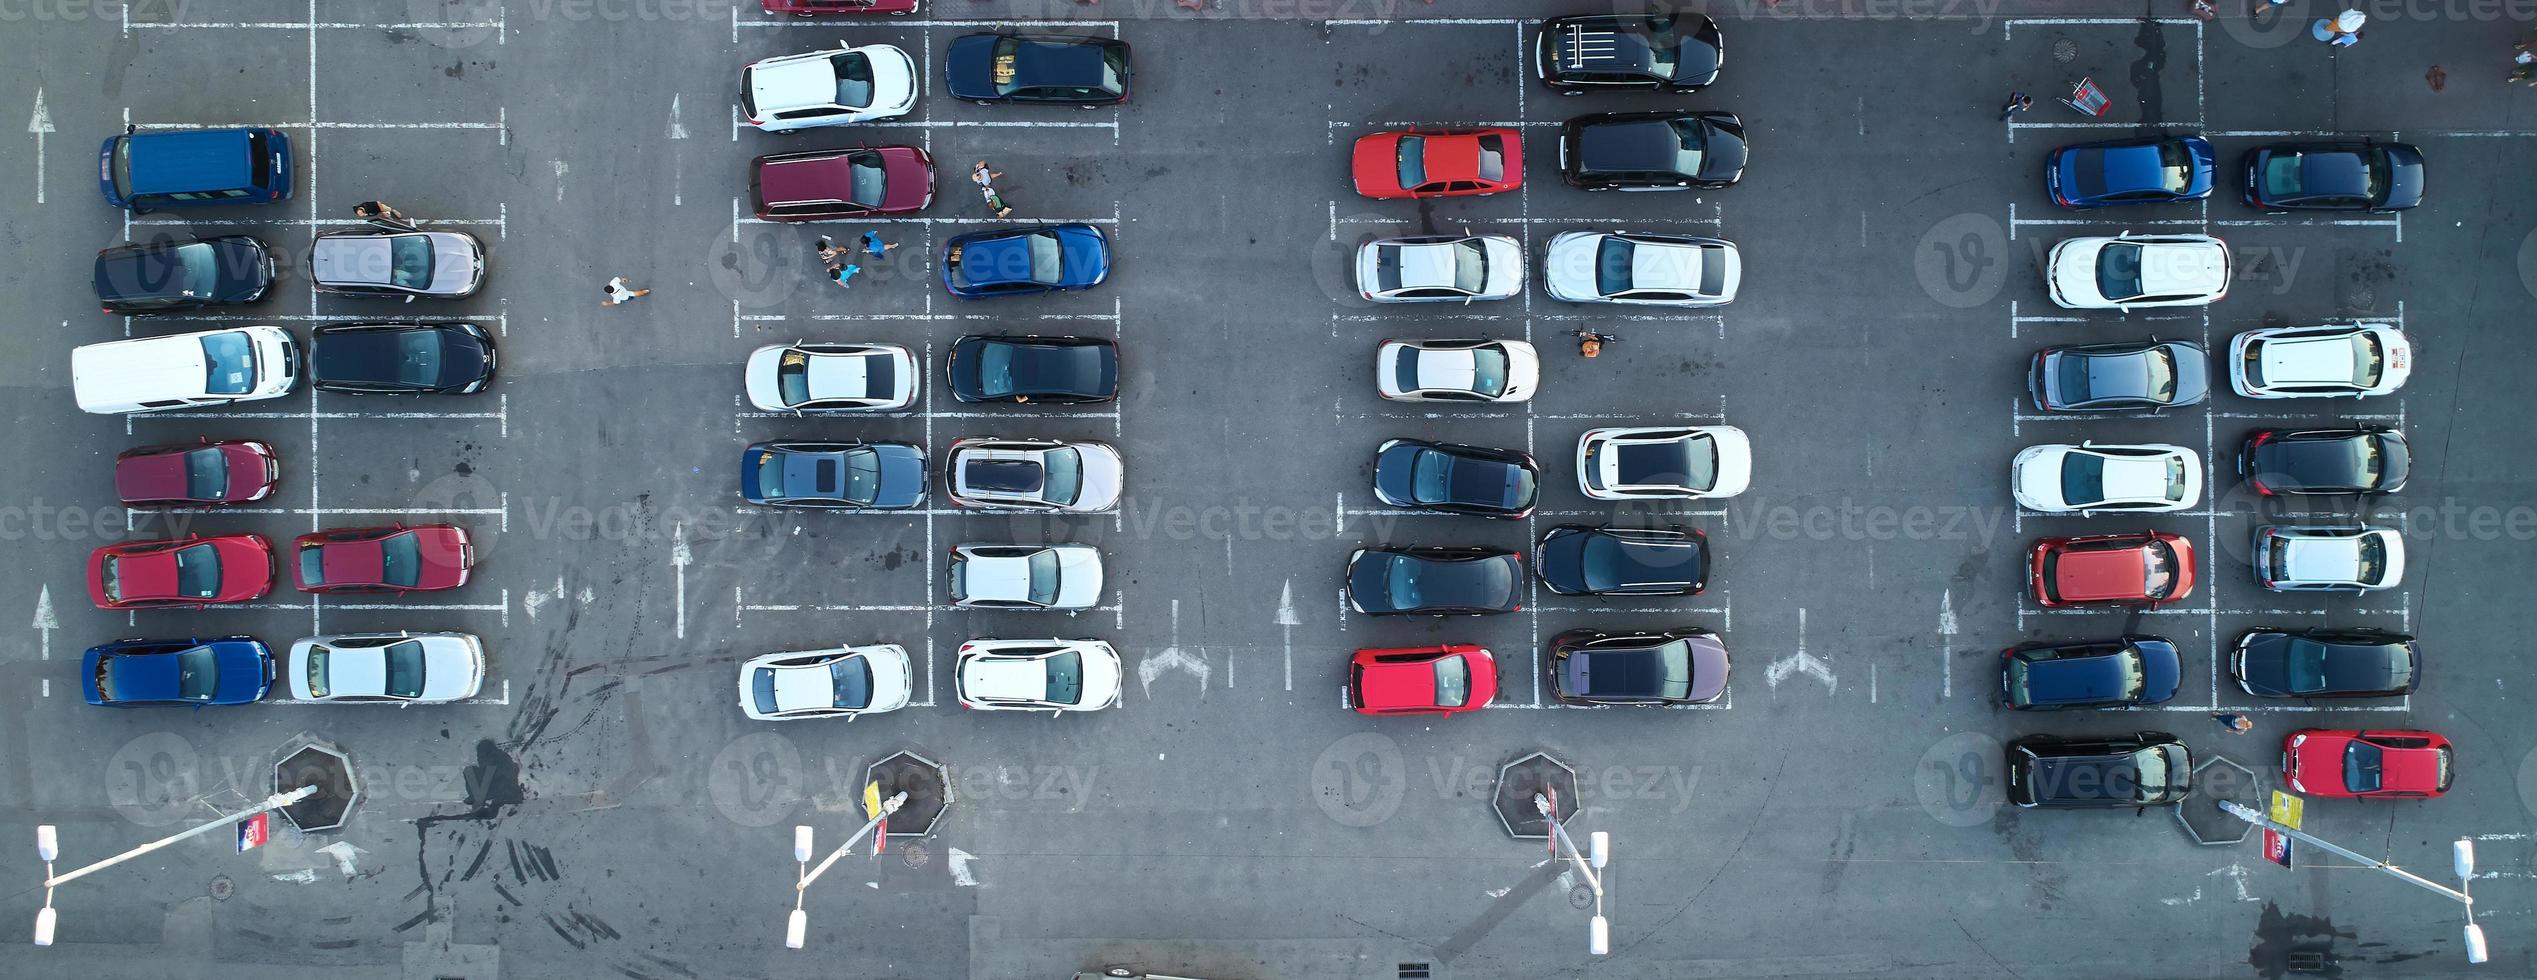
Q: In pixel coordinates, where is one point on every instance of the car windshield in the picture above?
(2304, 667)
(197, 674)
(1047, 263)
(410, 261)
(852, 679)
(405, 668)
(2134, 669)
(1612, 265)
(2367, 459)
(2280, 178)
(313, 565)
(316, 676)
(229, 363)
(1062, 482)
(206, 474)
(1488, 371)
(1404, 588)
(995, 370)
(1673, 665)
(1413, 161)
(400, 561)
(202, 267)
(2150, 767)
(2373, 563)
(2368, 360)
(198, 571)
(1453, 682)
(792, 378)
(2378, 164)
(122, 173)
(2160, 369)
(854, 79)
(2082, 478)
(2363, 765)
(771, 476)
(1692, 149)
(1066, 678)
(418, 358)
(1664, 49)
(2175, 167)
(1470, 266)
(2158, 569)
(1043, 566)
(867, 183)
(2013, 677)
(863, 476)
(2119, 271)
(1431, 477)
(2175, 478)
(1492, 158)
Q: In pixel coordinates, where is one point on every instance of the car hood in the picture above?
(456, 263)
(969, 67)
(2038, 472)
(1735, 460)
(244, 270)
(893, 680)
(1376, 156)
(759, 378)
(1569, 266)
(2405, 176)
(902, 482)
(1722, 156)
(910, 178)
(1102, 475)
(2074, 272)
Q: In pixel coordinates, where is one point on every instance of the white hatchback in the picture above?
(1659, 270)
(1456, 370)
(2129, 271)
(1440, 269)
(2353, 558)
(1056, 676)
(1691, 461)
(2066, 479)
(831, 378)
(1025, 576)
(386, 668)
(2354, 361)
(834, 87)
(836, 683)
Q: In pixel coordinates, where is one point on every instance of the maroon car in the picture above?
(816, 8)
(819, 185)
(204, 473)
(397, 558)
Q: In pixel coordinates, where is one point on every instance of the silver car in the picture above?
(1025, 576)
(386, 668)
(1034, 474)
(831, 378)
(1440, 269)
(836, 683)
(1056, 676)
(2351, 558)
(407, 264)
(1661, 270)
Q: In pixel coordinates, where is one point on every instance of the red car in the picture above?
(818, 185)
(1422, 680)
(192, 571)
(2152, 568)
(2397, 765)
(815, 8)
(1439, 163)
(204, 473)
(383, 559)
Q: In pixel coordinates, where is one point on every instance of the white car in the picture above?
(2066, 479)
(211, 367)
(1664, 270)
(1056, 676)
(1025, 576)
(2128, 271)
(2354, 361)
(1035, 474)
(1457, 370)
(2353, 558)
(832, 87)
(839, 683)
(832, 378)
(1692, 461)
(1440, 269)
(391, 668)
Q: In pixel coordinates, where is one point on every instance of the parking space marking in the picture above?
(501, 24)
(505, 699)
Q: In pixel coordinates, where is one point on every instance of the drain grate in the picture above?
(1415, 971)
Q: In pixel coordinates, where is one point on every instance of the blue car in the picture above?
(1024, 261)
(229, 670)
(2120, 672)
(844, 475)
(2153, 170)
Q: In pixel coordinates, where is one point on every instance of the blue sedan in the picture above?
(1024, 261)
(2154, 170)
(843, 475)
(229, 670)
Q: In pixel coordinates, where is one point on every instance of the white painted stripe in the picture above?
(293, 25)
(188, 414)
(924, 220)
(327, 125)
(832, 24)
(1437, 21)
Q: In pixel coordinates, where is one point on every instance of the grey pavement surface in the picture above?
(605, 810)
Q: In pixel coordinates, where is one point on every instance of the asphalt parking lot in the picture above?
(603, 807)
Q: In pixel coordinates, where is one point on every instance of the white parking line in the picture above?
(295, 703)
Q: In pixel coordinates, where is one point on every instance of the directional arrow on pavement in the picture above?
(1172, 658)
(1801, 662)
(45, 621)
(1946, 642)
(678, 165)
(1286, 623)
(679, 558)
(39, 123)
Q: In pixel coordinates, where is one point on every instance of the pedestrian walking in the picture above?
(2017, 102)
(2343, 31)
(1590, 343)
(621, 292)
(830, 255)
(985, 177)
(2235, 723)
(378, 211)
(2524, 63)
(874, 246)
(844, 276)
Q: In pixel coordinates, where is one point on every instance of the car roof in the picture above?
(2109, 573)
(189, 160)
(794, 82)
(1643, 143)
(2184, 267)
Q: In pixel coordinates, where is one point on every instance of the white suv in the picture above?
(212, 367)
(833, 87)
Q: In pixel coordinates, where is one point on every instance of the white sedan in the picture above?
(1692, 461)
(1025, 576)
(2354, 361)
(832, 378)
(1056, 676)
(2129, 271)
(1440, 269)
(1665, 270)
(838, 683)
(2354, 558)
(390, 668)
(1456, 370)
(1034, 474)
(830, 87)
(2066, 479)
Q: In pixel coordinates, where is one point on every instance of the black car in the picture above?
(2337, 176)
(404, 358)
(2326, 663)
(1663, 52)
(1456, 479)
(2366, 460)
(1052, 370)
(2119, 377)
(183, 275)
(1679, 666)
(2127, 670)
(1432, 581)
(1606, 561)
(1652, 150)
(846, 475)
(2142, 769)
(1055, 69)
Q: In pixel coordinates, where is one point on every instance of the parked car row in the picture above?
(853, 83)
(2330, 175)
(1583, 667)
(1056, 676)
(399, 668)
(252, 363)
(1581, 267)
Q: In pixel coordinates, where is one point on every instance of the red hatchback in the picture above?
(817, 8)
(204, 473)
(192, 571)
(383, 559)
(2399, 765)
(2152, 568)
(820, 185)
(1439, 163)
(1422, 680)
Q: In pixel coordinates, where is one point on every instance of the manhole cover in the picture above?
(2065, 50)
(222, 888)
(915, 855)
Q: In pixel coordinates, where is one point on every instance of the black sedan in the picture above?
(1607, 561)
(2119, 377)
(2337, 176)
(1456, 479)
(842, 475)
(182, 275)
(1652, 150)
(2125, 671)
(1050, 370)
(2326, 663)
(1678, 666)
(1607, 52)
(402, 358)
(1048, 69)
(2371, 459)
(1433, 581)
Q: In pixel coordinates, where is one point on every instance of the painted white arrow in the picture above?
(39, 123)
(1801, 662)
(45, 621)
(344, 854)
(677, 130)
(1946, 643)
(679, 558)
(678, 164)
(959, 861)
(1286, 623)
(1172, 658)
